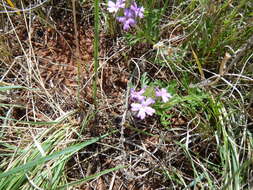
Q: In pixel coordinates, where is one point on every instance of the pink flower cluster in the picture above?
(130, 13)
(142, 104)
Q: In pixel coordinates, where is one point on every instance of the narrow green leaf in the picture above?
(31, 122)
(57, 121)
(5, 88)
(41, 160)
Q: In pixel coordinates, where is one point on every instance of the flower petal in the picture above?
(148, 102)
(112, 7)
(141, 114)
(150, 111)
(131, 22)
(140, 12)
(163, 94)
(121, 19)
(126, 26)
(135, 107)
(120, 3)
(165, 99)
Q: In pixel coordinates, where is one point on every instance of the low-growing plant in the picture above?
(145, 20)
(145, 98)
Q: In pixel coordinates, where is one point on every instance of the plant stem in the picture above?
(96, 41)
(77, 54)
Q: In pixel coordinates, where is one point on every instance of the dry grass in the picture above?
(200, 140)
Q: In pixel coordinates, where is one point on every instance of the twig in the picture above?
(222, 71)
(77, 52)
(112, 181)
(241, 52)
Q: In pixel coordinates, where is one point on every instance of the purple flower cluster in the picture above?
(130, 13)
(143, 105)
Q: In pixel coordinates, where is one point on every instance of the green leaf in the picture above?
(149, 92)
(31, 122)
(41, 160)
(5, 88)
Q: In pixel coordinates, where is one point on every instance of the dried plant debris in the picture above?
(180, 139)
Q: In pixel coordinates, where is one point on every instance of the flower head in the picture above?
(137, 95)
(137, 10)
(128, 19)
(143, 108)
(164, 94)
(114, 7)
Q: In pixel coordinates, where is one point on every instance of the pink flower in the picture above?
(114, 7)
(128, 19)
(164, 94)
(137, 96)
(138, 10)
(143, 108)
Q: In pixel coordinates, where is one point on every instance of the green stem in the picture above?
(96, 41)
